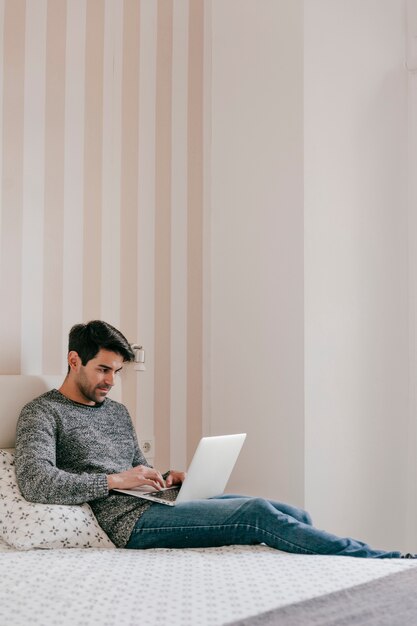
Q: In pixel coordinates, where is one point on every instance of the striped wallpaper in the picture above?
(101, 134)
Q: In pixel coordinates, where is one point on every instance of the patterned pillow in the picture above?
(25, 525)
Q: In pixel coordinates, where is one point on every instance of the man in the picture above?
(75, 445)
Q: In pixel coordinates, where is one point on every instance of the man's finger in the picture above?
(160, 479)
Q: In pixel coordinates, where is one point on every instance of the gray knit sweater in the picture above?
(64, 450)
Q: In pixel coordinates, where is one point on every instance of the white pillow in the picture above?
(4, 546)
(25, 525)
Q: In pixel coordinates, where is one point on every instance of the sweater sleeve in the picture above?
(39, 479)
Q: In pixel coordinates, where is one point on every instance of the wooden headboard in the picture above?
(17, 390)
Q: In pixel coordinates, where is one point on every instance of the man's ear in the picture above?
(73, 360)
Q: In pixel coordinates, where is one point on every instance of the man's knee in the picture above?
(261, 506)
(257, 506)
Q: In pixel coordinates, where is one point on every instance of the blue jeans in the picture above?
(228, 520)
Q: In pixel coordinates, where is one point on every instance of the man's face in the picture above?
(95, 379)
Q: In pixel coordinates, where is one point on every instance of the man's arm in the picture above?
(143, 474)
(138, 476)
(40, 480)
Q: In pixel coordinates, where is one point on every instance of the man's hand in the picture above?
(136, 477)
(175, 478)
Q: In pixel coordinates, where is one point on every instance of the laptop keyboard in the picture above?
(168, 494)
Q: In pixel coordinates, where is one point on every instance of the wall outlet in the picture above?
(148, 446)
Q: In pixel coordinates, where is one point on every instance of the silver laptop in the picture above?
(207, 476)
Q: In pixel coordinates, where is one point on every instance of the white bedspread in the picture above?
(192, 587)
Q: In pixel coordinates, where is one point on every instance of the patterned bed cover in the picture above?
(193, 587)
(387, 601)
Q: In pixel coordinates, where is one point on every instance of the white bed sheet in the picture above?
(94, 587)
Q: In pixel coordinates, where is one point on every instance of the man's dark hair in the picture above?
(88, 339)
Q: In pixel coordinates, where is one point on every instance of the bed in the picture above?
(58, 568)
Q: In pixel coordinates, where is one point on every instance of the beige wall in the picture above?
(357, 269)
(255, 316)
(312, 259)
(411, 527)
(101, 193)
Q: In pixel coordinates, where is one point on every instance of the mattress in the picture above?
(210, 586)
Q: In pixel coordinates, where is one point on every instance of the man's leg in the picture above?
(288, 509)
(245, 521)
